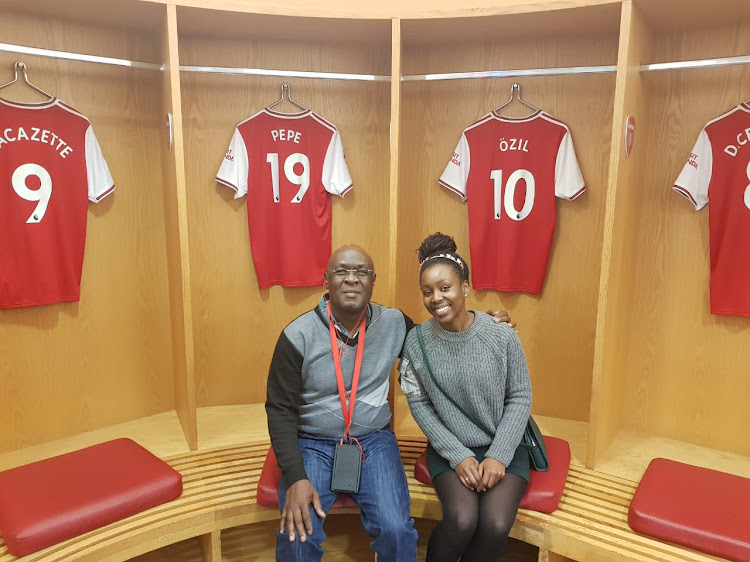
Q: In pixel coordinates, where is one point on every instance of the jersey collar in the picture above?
(531, 117)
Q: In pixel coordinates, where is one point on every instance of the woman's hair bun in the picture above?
(436, 244)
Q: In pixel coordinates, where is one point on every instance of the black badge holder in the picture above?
(347, 464)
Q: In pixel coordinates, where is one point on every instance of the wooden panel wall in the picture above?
(168, 282)
(236, 323)
(615, 292)
(687, 377)
(69, 368)
(556, 327)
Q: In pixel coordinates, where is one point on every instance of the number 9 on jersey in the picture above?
(42, 195)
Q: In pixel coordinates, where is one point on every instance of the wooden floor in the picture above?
(346, 541)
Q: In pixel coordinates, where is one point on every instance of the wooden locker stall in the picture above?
(556, 327)
(674, 377)
(74, 367)
(236, 324)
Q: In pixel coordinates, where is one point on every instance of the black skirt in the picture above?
(519, 465)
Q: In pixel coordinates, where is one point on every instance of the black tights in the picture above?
(475, 525)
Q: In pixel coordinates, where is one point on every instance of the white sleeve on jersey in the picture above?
(457, 171)
(696, 174)
(100, 182)
(235, 167)
(568, 179)
(336, 178)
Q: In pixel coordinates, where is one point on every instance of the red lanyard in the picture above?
(347, 413)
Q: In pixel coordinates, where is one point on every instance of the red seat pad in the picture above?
(268, 486)
(545, 488)
(58, 498)
(695, 507)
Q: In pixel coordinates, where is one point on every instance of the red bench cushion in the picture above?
(695, 507)
(268, 486)
(58, 498)
(545, 488)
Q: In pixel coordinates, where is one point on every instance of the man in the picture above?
(312, 377)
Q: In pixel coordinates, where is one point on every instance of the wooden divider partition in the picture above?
(626, 361)
(175, 219)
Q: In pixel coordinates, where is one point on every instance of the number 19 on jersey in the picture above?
(302, 180)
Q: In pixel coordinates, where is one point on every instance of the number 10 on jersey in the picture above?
(507, 202)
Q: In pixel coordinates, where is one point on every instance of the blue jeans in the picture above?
(383, 499)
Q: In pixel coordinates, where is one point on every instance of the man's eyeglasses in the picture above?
(342, 273)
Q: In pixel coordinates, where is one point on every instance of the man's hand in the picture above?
(499, 316)
(492, 471)
(296, 513)
(468, 474)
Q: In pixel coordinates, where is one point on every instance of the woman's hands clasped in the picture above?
(480, 477)
(492, 471)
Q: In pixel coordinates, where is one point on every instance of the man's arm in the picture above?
(283, 399)
(409, 322)
(282, 407)
(409, 325)
(498, 316)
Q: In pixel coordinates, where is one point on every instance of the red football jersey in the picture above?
(50, 166)
(510, 171)
(719, 167)
(287, 165)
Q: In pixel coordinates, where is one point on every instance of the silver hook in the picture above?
(16, 66)
(22, 66)
(515, 89)
(285, 88)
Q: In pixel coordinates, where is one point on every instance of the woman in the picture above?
(473, 407)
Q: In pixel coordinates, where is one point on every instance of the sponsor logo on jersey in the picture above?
(629, 135)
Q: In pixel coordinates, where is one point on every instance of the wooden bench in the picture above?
(219, 493)
(590, 524)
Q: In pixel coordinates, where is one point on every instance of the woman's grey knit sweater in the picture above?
(484, 370)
